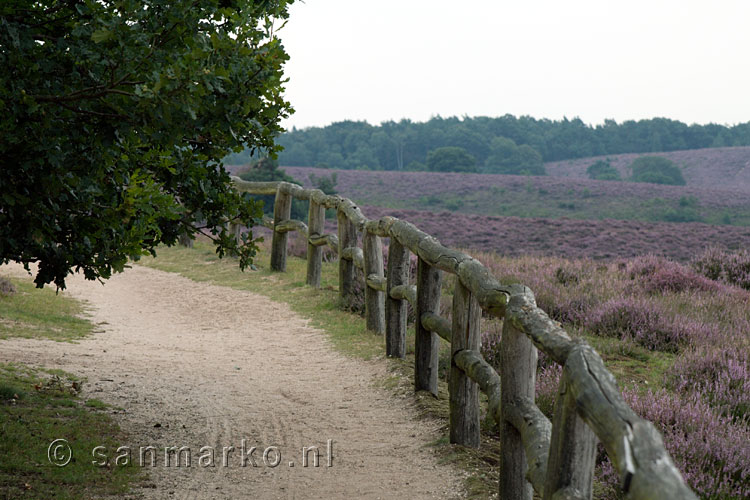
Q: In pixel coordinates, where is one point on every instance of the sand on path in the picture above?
(205, 367)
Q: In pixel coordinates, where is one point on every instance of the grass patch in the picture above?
(41, 313)
(37, 407)
(632, 364)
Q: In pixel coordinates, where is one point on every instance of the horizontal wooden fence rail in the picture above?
(556, 459)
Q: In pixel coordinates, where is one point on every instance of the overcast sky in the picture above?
(388, 59)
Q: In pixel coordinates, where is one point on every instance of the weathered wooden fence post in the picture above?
(396, 309)
(347, 232)
(315, 223)
(185, 239)
(372, 248)
(572, 449)
(282, 210)
(426, 343)
(518, 358)
(236, 231)
(464, 392)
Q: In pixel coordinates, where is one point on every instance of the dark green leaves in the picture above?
(115, 118)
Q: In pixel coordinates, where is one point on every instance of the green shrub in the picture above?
(656, 170)
(601, 170)
(454, 204)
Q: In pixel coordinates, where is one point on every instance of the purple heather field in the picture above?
(691, 332)
(374, 185)
(378, 192)
(599, 239)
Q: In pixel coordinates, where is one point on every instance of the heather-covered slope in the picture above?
(678, 343)
(715, 168)
(550, 197)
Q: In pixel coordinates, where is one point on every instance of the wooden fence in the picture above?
(555, 458)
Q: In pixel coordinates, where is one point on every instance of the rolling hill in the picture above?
(715, 168)
(565, 213)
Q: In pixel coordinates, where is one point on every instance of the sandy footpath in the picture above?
(198, 365)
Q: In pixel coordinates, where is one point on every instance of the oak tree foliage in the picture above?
(115, 115)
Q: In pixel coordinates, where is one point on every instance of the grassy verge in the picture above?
(35, 313)
(38, 406)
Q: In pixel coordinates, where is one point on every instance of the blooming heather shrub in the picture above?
(720, 374)
(296, 245)
(732, 268)
(710, 451)
(547, 382)
(568, 308)
(566, 290)
(659, 275)
(566, 276)
(6, 287)
(490, 347)
(638, 319)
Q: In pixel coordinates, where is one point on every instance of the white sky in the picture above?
(628, 59)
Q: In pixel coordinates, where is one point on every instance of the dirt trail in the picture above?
(196, 365)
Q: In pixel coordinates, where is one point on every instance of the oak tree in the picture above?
(115, 116)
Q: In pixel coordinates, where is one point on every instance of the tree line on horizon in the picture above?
(505, 144)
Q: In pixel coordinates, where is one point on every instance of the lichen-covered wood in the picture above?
(518, 359)
(492, 296)
(426, 343)
(408, 292)
(633, 444)
(572, 449)
(376, 282)
(546, 334)
(355, 255)
(289, 225)
(282, 209)
(380, 227)
(347, 239)
(316, 220)
(437, 324)
(353, 213)
(396, 308)
(372, 249)
(325, 239)
(255, 187)
(463, 391)
(535, 430)
(476, 368)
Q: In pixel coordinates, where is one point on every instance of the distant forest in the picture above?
(406, 145)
